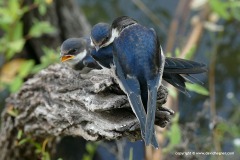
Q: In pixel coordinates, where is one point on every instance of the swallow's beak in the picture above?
(91, 44)
(97, 48)
(66, 58)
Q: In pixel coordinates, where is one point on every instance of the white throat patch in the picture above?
(115, 34)
(91, 42)
(79, 57)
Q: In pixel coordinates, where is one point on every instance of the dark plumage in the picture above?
(76, 53)
(99, 33)
(138, 63)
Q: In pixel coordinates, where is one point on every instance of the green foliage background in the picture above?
(13, 40)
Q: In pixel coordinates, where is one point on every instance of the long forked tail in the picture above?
(151, 110)
(146, 122)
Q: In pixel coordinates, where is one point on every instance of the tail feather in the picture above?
(176, 80)
(182, 66)
(137, 107)
(194, 78)
(131, 86)
(151, 110)
(178, 71)
(144, 96)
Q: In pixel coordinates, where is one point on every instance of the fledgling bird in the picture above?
(75, 52)
(103, 53)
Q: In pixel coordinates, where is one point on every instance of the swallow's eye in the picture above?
(105, 40)
(72, 51)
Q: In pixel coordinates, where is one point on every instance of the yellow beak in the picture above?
(66, 58)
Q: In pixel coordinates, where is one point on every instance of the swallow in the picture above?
(75, 52)
(138, 66)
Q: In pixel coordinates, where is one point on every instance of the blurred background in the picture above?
(208, 31)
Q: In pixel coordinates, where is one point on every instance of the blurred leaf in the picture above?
(168, 54)
(48, 1)
(37, 68)
(86, 157)
(5, 16)
(50, 57)
(9, 54)
(40, 28)
(14, 8)
(131, 154)
(175, 135)
(91, 149)
(197, 88)
(14, 47)
(37, 145)
(23, 141)
(12, 111)
(175, 130)
(18, 31)
(46, 156)
(10, 70)
(42, 8)
(172, 92)
(235, 10)
(221, 8)
(26, 68)
(190, 53)
(20, 133)
(232, 129)
(16, 84)
(177, 52)
(2, 43)
(14, 72)
(226, 9)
